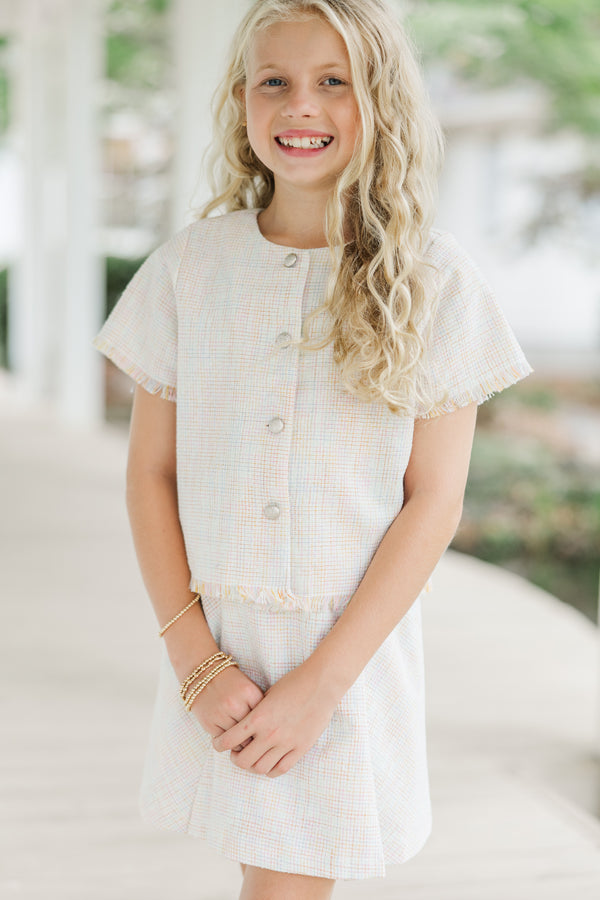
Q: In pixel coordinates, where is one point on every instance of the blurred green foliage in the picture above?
(137, 52)
(533, 511)
(4, 86)
(553, 42)
(539, 397)
(119, 273)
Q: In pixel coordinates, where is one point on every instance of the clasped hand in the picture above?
(281, 728)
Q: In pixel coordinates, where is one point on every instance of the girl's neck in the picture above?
(296, 221)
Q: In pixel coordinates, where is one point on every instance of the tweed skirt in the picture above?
(359, 797)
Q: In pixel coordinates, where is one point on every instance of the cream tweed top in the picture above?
(287, 482)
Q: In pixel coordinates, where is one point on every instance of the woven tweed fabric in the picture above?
(287, 481)
(286, 485)
(356, 801)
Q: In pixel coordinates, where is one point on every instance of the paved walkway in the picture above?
(512, 682)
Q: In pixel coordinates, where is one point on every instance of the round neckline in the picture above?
(254, 212)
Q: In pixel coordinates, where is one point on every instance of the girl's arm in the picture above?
(434, 486)
(160, 549)
(296, 710)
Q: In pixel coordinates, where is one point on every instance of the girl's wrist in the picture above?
(185, 660)
(329, 680)
(192, 686)
(189, 642)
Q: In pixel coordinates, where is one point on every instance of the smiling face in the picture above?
(302, 115)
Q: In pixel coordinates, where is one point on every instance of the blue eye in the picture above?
(333, 78)
(270, 80)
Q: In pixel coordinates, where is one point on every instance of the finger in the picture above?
(225, 725)
(237, 734)
(285, 764)
(223, 728)
(244, 743)
(267, 761)
(250, 754)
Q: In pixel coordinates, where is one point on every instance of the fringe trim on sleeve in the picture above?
(482, 391)
(152, 385)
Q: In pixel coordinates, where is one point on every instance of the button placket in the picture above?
(292, 260)
(273, 510)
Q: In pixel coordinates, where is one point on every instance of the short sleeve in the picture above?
(140, 334)
(472, 352)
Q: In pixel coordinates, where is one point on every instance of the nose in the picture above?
(300, 101)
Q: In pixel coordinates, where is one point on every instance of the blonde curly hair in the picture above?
(381, 293)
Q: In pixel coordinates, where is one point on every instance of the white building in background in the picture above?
(550, 291)
(495, 180)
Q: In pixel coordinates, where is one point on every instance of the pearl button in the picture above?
(283, 338)
(276, 425)
(271, 511)
(290, 260)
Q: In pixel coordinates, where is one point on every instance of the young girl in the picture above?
(290, 492)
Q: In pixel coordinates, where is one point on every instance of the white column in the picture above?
(464, 200)
(81, 385)
(202, 31)
(27, 321)
(56, 302)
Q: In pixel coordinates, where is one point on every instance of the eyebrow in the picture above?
(329, 65)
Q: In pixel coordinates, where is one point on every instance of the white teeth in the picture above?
(304, 143)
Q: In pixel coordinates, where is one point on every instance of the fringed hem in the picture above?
(482, 391)
(152, 385)
(275, 599)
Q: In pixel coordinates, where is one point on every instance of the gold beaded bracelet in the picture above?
(199, 687)
(179, 615)
(202, 684)
(201, 668)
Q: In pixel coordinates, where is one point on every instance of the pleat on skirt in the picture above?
(359, 797)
